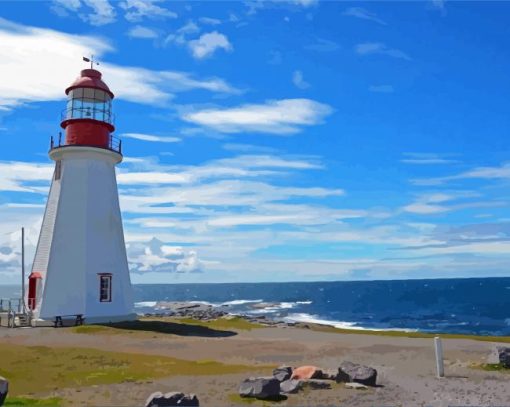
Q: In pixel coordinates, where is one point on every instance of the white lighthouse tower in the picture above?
(80, 266)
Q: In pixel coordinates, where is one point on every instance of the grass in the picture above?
(36, 369)
(402, 334)
(493, 367)
(29, 401)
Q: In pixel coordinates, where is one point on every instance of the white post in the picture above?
(439, 356)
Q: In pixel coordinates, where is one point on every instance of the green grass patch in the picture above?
(493, 367)
(29, 401)
(402, 334)
(36, 369)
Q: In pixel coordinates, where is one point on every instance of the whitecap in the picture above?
(149, 304)
(313, 319)
(241, 302)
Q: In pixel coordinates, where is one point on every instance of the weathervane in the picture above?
(91, 60)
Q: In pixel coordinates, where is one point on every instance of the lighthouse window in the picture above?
(89, 103)
(105, 288)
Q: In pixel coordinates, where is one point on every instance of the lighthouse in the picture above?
(80, 267)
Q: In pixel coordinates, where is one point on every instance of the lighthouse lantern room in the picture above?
(80, 267)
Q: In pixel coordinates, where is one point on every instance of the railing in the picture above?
(114, 144)
(11, 304)
(17, 314)
(93, 113)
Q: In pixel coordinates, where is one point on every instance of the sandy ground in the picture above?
(406, 367)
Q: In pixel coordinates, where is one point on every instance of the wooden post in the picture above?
(439, 356)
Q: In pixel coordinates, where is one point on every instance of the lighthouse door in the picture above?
(34, 287)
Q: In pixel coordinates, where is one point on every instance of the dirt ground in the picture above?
(406, 366)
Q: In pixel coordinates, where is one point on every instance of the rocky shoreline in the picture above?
(208, 312)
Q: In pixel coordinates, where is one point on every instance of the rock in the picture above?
(260, 387)
(357, 373)
(306, 373)
(291, 386)
(329, 375)
(171, 399)
(4, 389)
(500, 355)
(282, 373)
(357, 386)
(316, 384)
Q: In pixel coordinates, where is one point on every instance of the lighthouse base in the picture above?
(87, 321)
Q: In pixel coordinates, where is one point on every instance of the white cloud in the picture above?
(427, 159)
(210, 21)
(72, 5)
(369, 48)
(151, 137)
(299, 81)
(102, 11)
(156, 256)
(501, 172)
(103, 14)
(305, 3)
(59, 61)
(276, 116)
(323, 45)
(142, 32)
(207, 44)
(24, 176)
(362, 13)
(381, 88)
(136, 10)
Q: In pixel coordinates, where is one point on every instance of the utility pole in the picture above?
(23, 268)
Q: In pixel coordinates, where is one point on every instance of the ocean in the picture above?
(465, 306)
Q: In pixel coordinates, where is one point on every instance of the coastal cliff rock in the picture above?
(4, 389)
(282, 373)
(500, 355)
(358, 373)
(172, 399)
(260, 387)
(306, 373)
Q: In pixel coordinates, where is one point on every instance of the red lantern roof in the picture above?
(90, 78)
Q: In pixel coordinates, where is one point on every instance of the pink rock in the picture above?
(306, 373)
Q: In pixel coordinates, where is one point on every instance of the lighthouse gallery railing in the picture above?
(114, 144)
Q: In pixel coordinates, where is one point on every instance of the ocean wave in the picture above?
(145, 304)
(314, 319)
(241, 302)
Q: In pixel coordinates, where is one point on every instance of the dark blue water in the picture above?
(466, 306)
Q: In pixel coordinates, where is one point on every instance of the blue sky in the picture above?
(274, 140)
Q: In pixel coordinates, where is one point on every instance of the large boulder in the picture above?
(291, 386)
(306, 373)
(500, 355)
(4, 389)
(357, 373)
(282, 373)
(260, 387)
(171, 399)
